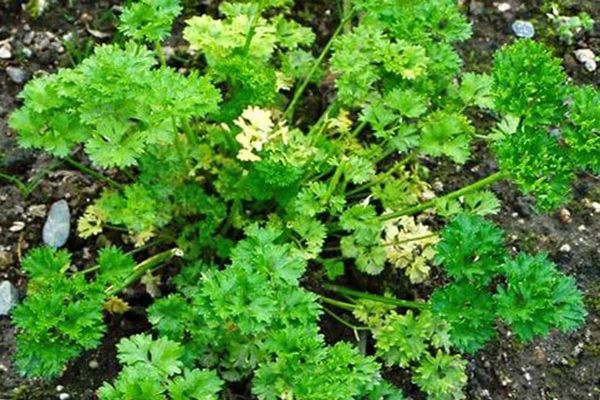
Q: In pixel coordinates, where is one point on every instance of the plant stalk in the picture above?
(489, 180)
(91, 172)
(337, 303)
(140, 269)
(381, 299)
(289, 112)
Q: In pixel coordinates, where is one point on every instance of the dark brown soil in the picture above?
(563, 367)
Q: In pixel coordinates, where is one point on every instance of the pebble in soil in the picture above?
(58, 224)
(9, 296)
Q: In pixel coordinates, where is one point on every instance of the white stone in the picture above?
(17, 226)
(58, 224)
(523, 29)
(5, 51)
(503, 7)
(565, 248)
(587, 58)
(9, 296)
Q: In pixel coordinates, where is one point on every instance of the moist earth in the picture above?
(562, 367)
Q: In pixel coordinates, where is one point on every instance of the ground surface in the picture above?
(563, 367)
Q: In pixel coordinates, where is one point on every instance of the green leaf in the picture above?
(442, 376)
(469, 312)
(476, 90)
(195, 385)
(446, 133)
(537, 298)
(529, 82)
(162, 354)
(149, 20)
(471, 249)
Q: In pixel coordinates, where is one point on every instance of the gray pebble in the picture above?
(5, 51)
(9, 296)
(523, 29)
(58, 224)
(17, 75)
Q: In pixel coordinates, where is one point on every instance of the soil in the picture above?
(563, 367)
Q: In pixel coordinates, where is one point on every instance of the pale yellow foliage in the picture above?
(258, 129)
(90, 223)
(409, 246)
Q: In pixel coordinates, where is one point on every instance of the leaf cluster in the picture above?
(153, 370)
(149, 20)
(115, 103)
(557, 127)
(530, 295)
(62, 314)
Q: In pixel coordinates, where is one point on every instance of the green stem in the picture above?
(160, 53)
(91, 172)
(140, 269)
(382, 177)
(452, 195)
(16, 181)
(396, 243)
(321, 123)
(289, 112)
(189, 132)
(415, 239)
(359, 129)
(344, 322)
(337, 303)
(374, 297)
(178, 146)
(335, 180)
(252, 29)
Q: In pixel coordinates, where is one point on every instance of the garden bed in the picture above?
(562, 366)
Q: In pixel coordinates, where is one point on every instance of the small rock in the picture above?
(17, 226)
(94, 364)
(60, 388)
(527, 376)
(9, 296)
(587, 58)
(17, 75)
(57, 226)
(5, 51)
(64, 396)
(564, 215)
(565, 248)
(581, 228)
(37, 210)
(523, 29)
(6, 259)
(427, 195)
(503, 7)
(169, 52)
(578, 349)
(438, 186)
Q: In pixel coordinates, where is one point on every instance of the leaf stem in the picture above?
(140, 269)
(452, 195)
(252, 29)
(91, 172)
(344, 322)
(337, 303)
(289, 112)
(160, 53)
(382, 177)
(16, 181)
(374, 297)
